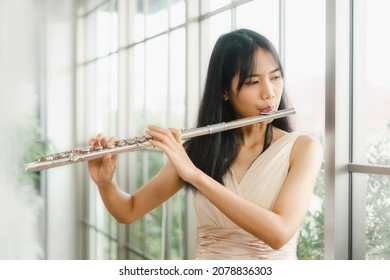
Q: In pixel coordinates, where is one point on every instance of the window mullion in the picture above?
(337, 123)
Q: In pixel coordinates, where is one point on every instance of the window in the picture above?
(145, 61)
(131, 72)
(371, 131)
(304, 61)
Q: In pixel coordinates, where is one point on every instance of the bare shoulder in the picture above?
(307, 141)
(308, 147)
(301, 141)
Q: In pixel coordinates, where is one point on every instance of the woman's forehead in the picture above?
(264, 59)
(262, 62)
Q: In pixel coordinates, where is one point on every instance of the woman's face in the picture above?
(261, 91)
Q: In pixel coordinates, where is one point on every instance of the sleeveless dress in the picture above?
(218, 237)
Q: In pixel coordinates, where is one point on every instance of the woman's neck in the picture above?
(253, 135)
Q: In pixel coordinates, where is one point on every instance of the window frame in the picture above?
(344, 212)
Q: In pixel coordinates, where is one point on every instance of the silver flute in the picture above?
(132, 144)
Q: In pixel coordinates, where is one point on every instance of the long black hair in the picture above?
(233, 53)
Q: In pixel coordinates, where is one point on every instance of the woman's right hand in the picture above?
(102, 169)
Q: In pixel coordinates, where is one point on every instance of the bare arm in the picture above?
(276, 226)
(124, 207)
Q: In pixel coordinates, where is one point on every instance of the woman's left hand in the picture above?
(169, 141)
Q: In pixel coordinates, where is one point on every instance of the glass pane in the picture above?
(377, 216)
(80, 40)
(102, 30)
(91, 243)
(177, 13)
(106, 94)
(113, 95)
(90, 34)
(137, 229)
(100, 218)
(261, 16)
(113, 254)
(305, 64)
(80, 8)
(371, 83)
(157, 17)
(102, 93)
(137, 18)
(137, 86)
(311, 239)
(106, 29)
(103, 245)
(156, 85)
(211, 29)
(208, 6)
(154, 234)
(178, 239)
(177, 78)
(91, 4)
(146, 234)
(114, 29)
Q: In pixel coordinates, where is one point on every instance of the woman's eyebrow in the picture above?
(275, 70)
(259, 75)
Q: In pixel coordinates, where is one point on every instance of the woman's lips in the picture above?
(268, 110)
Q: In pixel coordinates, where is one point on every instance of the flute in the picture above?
(132, 144)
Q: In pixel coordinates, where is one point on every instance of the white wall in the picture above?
(36, 59)
(61, 194)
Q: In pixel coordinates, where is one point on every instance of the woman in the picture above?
(252, 185)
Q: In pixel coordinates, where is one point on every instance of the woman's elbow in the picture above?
(277, 243)
(279, 239)
(124, 220)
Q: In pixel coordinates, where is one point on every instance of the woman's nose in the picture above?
(267, 91)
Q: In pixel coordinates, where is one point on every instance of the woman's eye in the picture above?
(251, 83)
(276, 77)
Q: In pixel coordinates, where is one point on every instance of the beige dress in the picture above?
(218, 237)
